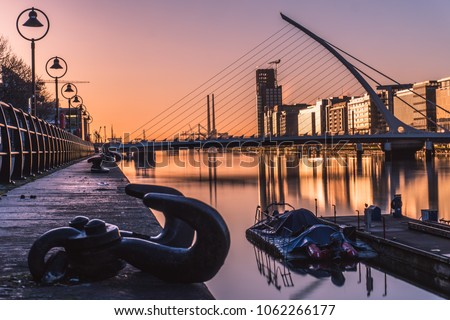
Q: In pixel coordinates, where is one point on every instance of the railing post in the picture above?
(6, 169)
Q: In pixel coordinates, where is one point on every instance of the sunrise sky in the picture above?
(140, 56)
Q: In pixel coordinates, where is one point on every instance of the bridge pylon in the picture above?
(397, 149)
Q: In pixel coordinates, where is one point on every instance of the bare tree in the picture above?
(15, 83)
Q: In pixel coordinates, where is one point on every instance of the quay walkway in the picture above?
(29, 210)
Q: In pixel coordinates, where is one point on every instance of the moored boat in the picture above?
(297, 234)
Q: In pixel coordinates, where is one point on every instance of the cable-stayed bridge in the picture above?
(312, 68)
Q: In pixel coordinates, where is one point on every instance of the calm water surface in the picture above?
(236, 183)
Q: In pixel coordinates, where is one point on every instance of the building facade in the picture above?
(283, 119)
(337, 115)
(443, 102)
(418, 108)
(364, 117)
(425, 113)
(313, 120)
(403, 100)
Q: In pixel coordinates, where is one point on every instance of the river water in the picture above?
(235, 183)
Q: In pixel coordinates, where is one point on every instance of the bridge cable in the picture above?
(435, 123)
(386, 76)
(250, 80)
(220, 72)
(236, 68)
(241, 73)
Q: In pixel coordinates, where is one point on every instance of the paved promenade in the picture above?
(29, 210)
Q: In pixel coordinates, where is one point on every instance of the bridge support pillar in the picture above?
(359, 151)
(401, 149)
(146, 158)
(387, 148)
(429, 150)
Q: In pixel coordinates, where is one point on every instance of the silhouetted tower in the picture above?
(211, 117)
(268, 94)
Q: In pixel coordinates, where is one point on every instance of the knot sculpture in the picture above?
(95, 250)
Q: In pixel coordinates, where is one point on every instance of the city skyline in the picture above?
(138, 56)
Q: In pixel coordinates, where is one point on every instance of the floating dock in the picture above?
(413, 250)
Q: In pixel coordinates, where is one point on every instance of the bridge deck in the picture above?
(26, 212)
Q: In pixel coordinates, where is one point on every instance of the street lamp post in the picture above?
(34, 23)
(69, 93)
(77, 105)
(58, 71)
(87, 121)
(82, 113)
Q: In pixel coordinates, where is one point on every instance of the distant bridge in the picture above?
(401, 140)
(396, 145)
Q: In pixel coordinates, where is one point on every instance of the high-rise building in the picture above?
(387, 93)
(364, 117)
(268, 95)
(313, 120)
(418, 108)
(284, 119)
(443, 102)
(337, 115)
(427, 106)
(403, 99)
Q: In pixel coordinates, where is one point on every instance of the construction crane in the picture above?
(62, 81)
(275, 63)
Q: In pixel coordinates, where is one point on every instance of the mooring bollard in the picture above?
(367, 219)
(191, 248)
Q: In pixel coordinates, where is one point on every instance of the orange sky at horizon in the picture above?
(141, 56)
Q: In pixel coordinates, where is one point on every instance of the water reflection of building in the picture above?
(212, 178)
(348, 183)
(271, 179)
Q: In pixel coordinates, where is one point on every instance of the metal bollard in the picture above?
(97, 250)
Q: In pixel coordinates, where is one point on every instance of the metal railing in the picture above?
(29, 145)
